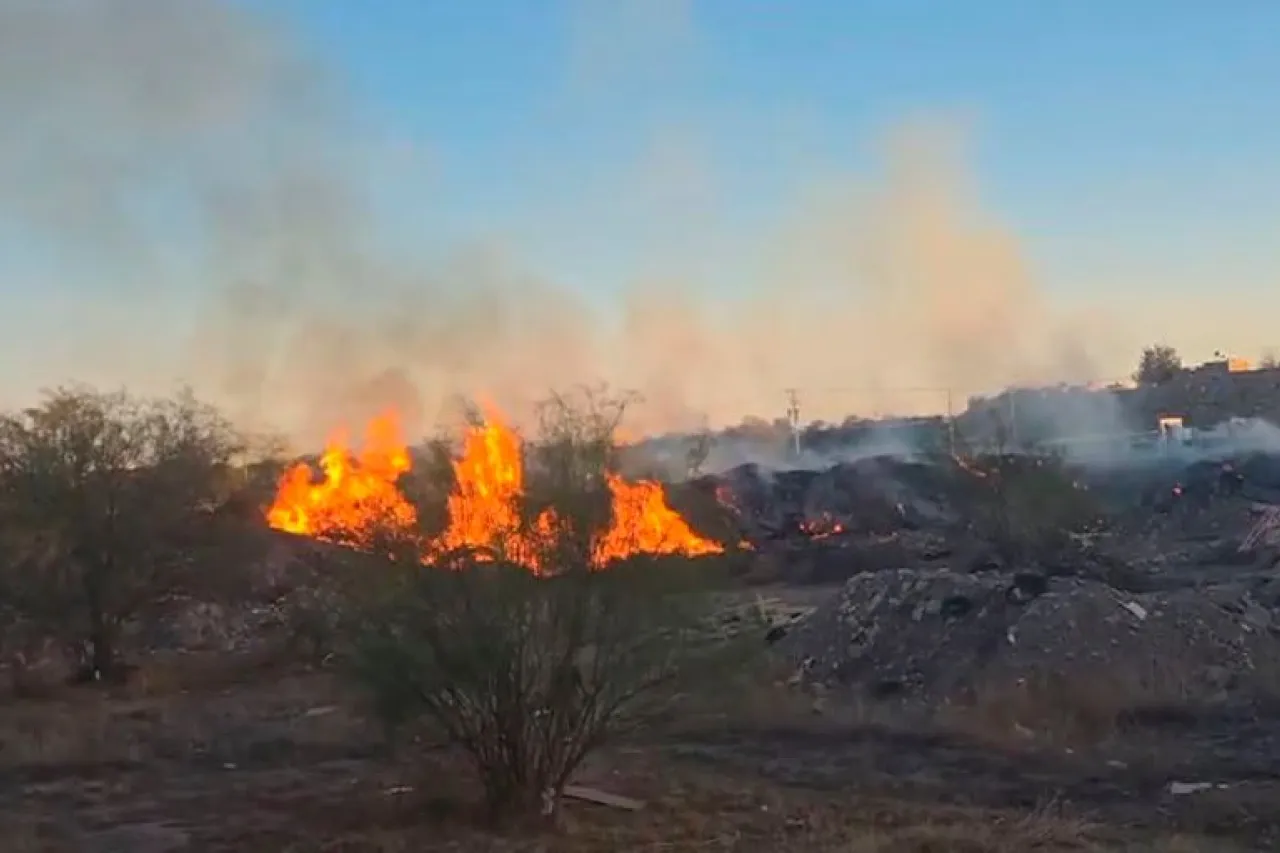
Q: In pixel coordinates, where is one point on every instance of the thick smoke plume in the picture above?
(203, 186)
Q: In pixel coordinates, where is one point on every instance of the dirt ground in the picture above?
(226, 754)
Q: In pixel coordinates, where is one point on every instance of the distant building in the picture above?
(1202, 396)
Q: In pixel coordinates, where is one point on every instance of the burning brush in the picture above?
(358, 498)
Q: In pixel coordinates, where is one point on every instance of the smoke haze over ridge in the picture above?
(196, 193)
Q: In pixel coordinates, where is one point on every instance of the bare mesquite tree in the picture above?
(529, 673)
(697, 452)
(103, 496)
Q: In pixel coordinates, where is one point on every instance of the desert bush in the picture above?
(526, 672)
(1028, 506)
(103, 499)
(329, 589)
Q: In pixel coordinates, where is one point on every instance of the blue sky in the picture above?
(1130, 141)
(1130, 147)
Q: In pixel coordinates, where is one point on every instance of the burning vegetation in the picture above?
(357, 495)
(358, 498)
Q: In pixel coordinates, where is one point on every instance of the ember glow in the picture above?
(358, 496)
(822, 527)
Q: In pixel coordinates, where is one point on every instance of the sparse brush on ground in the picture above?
(699, 811)
(529, 675)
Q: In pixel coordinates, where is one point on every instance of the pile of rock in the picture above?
(870, 496)
(937, 634)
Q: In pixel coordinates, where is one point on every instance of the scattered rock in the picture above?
(1027, 586)
(1180, 789)
(936, 634)
(138, 838)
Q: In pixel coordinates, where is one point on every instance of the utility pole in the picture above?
(951, 425)
(793, 416)
(1013, 418)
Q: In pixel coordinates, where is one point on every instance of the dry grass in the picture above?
(23, 836)
(1075, 708)
(175, 707)
(770, 698)
(172, 674)
(702, 812)
(54, 733)
(1266, 678)
(430, 806)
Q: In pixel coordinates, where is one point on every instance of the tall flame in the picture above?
(484, 508)
(359, 496)
(643, 523)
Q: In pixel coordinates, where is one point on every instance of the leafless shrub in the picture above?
(697, 452)
(528, 673)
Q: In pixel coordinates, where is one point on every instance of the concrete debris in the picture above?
(1266, 532)
(936, 634)
(602, 798)
(1181, 789)
(1136, 609)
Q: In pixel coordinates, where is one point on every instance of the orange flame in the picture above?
(359, 496)
(489, 479)
(484, 508)
(643, 523)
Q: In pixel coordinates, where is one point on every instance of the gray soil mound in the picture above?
(938, 634)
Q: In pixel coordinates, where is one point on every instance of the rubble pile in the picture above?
(936, 634)
(1164, 522)
(822, 526)
(875, 495)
